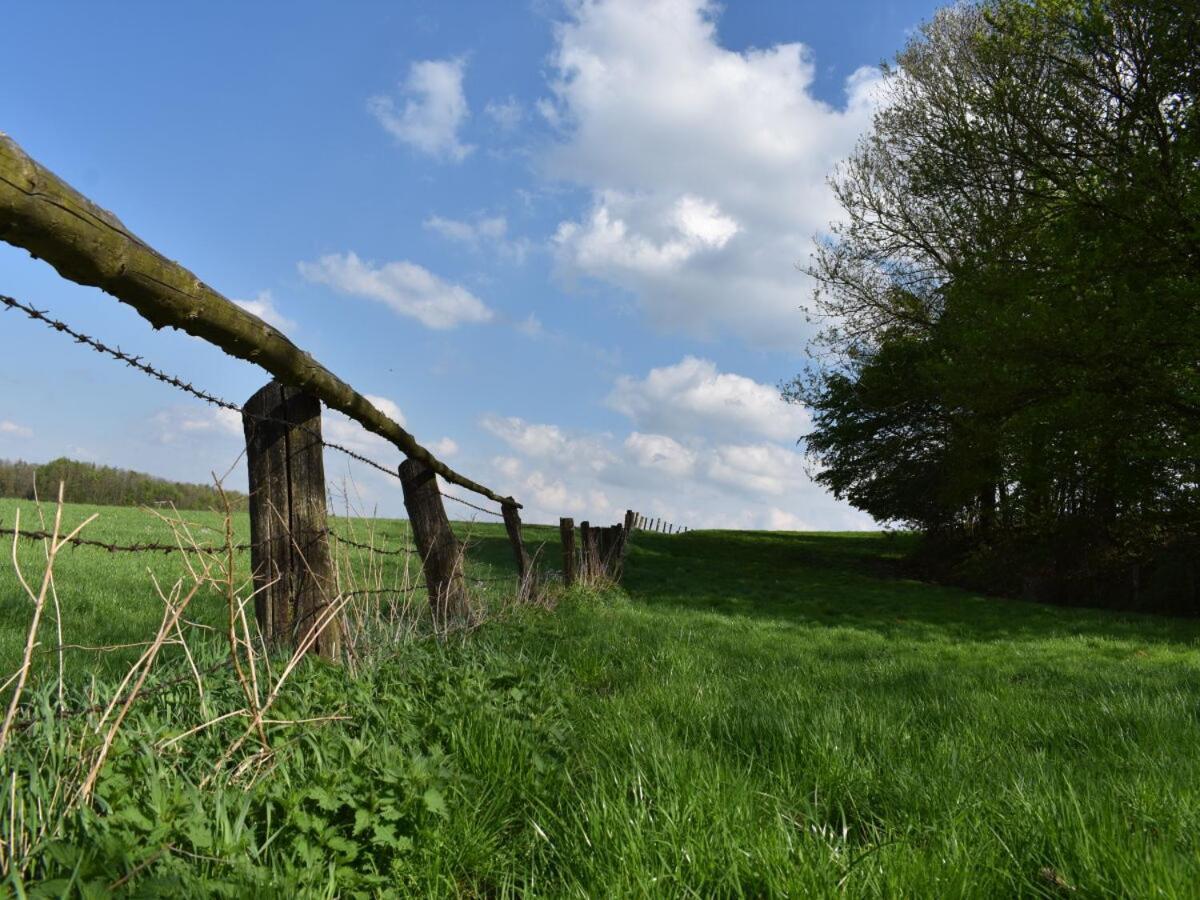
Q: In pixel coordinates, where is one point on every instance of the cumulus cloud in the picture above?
(263, 306)
(657, 451)
(692, 397)
(766, 469)
(707, 452)
(13, 430)
(434, 109)
(405, 287)
(707, 167)
(550, 443)
(444, 448)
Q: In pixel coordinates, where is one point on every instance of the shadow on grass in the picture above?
(851, 580)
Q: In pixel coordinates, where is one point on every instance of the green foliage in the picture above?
(91, 483)
(1014, 288)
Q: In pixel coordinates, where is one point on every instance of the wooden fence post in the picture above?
(566, 531)
(512, 524)
(289, 531)
(587, 568)
(614, 555)
(441, 555)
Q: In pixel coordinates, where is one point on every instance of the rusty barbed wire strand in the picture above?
(156, 547)
(361, 546)
(149, 547)
(117, 353)
(136, 362)
(490, 512)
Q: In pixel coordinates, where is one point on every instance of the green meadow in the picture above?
(747, 715)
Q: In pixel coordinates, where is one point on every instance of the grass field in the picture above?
(752, 715)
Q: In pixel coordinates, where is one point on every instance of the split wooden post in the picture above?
(615, 555)
(512, 524)
(289, 530)
(587, 567)
(566, 531)
(441, 555)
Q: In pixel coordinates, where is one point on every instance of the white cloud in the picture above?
(657, 451)
(444, 448)
(550, 443)
(766, 469)
(435, 108)
(491, 227)
(389, 408)
(185, 423)
(405, 287)
(341, 429)
(489, 230)
(263, 306)
(507, 113)
(685, 480)
(692, 397)
(12, 429)
(707, 166)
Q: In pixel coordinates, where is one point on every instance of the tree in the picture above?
(1020, 254)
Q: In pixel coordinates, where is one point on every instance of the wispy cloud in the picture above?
(434, 109)
(404, 287)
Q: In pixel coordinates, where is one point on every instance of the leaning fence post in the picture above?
(289, 530)
(566, 531)
(512, 524)
(441, 555)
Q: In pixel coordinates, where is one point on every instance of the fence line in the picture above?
(89, 245)
(282, 422)
(155, 547)
(137, 362)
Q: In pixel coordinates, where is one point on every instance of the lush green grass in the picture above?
(754, 715)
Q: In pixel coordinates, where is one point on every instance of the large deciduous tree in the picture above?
(1013, 295)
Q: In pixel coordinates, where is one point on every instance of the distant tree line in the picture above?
(105, 485)
(1011, 357)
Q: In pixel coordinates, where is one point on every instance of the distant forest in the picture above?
(105, 485)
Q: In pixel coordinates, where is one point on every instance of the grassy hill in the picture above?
(753, 714)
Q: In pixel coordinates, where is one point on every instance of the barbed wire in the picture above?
(490, 512)
(136, 362)
(118, 354)
(148, 547)
(361, 546)
(156, 547)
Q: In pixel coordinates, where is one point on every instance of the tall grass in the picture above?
(751, 715)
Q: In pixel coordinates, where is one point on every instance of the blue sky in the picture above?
(559, 240)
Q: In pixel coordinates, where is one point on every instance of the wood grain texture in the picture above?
(289, 534)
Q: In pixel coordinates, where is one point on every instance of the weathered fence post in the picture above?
(289, 532)
(630, 523)
(441, 555)
(615, 555)
(587, 552)
(566, 531)
(512, 524)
